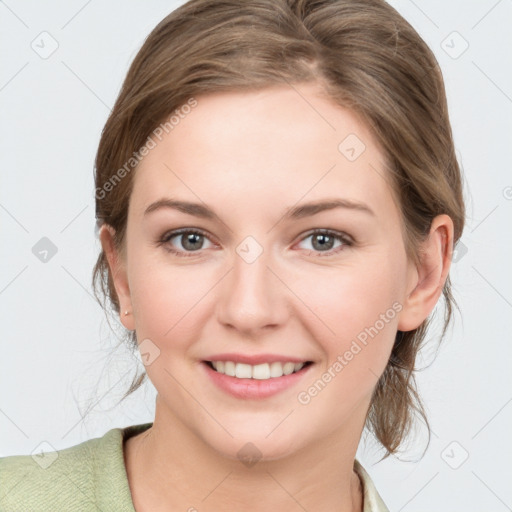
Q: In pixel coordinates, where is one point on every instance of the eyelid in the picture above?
(331, 232)
(164, 240)
(345, 238)
(179, 231)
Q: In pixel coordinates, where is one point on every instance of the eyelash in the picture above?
(342, 237)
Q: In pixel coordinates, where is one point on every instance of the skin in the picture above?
(250, 157)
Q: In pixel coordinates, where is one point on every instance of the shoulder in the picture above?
(372, 501)
(83, 477)
(57, 480)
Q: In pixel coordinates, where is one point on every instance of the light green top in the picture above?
(91, 476)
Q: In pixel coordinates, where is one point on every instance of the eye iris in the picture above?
(191, 238)
(325, 243)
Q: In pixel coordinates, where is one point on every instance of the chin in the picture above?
(251, 447)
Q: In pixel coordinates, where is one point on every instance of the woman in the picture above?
(278, 199)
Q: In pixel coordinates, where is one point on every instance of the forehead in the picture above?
(264, 148)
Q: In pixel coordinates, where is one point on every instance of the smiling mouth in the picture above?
(264, 371)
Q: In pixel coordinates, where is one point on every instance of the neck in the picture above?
(170, 468)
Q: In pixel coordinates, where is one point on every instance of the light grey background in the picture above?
(57, 352)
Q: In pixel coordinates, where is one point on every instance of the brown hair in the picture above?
(367, 58)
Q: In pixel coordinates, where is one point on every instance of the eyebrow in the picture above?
(297, 212)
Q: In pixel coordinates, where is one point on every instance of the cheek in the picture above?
(355, 314)
(362, 308)
(166, 299)
(347, 300)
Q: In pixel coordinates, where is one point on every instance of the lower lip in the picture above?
(254, 389)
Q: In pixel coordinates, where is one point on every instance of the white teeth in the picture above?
(288, 368)
(229, 368)
(243, 371)
(276, 369)
(259, 371)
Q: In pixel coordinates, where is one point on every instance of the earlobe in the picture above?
(430, 275)
(118, 274)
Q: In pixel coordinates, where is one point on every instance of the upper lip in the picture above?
(255, 359)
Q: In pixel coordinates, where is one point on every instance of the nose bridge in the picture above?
(252, 296)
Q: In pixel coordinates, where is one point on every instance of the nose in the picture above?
(253, 298)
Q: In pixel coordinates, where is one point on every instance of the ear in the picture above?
(428, 279)
(119, 276)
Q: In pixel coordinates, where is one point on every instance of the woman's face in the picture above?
(257, 284)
